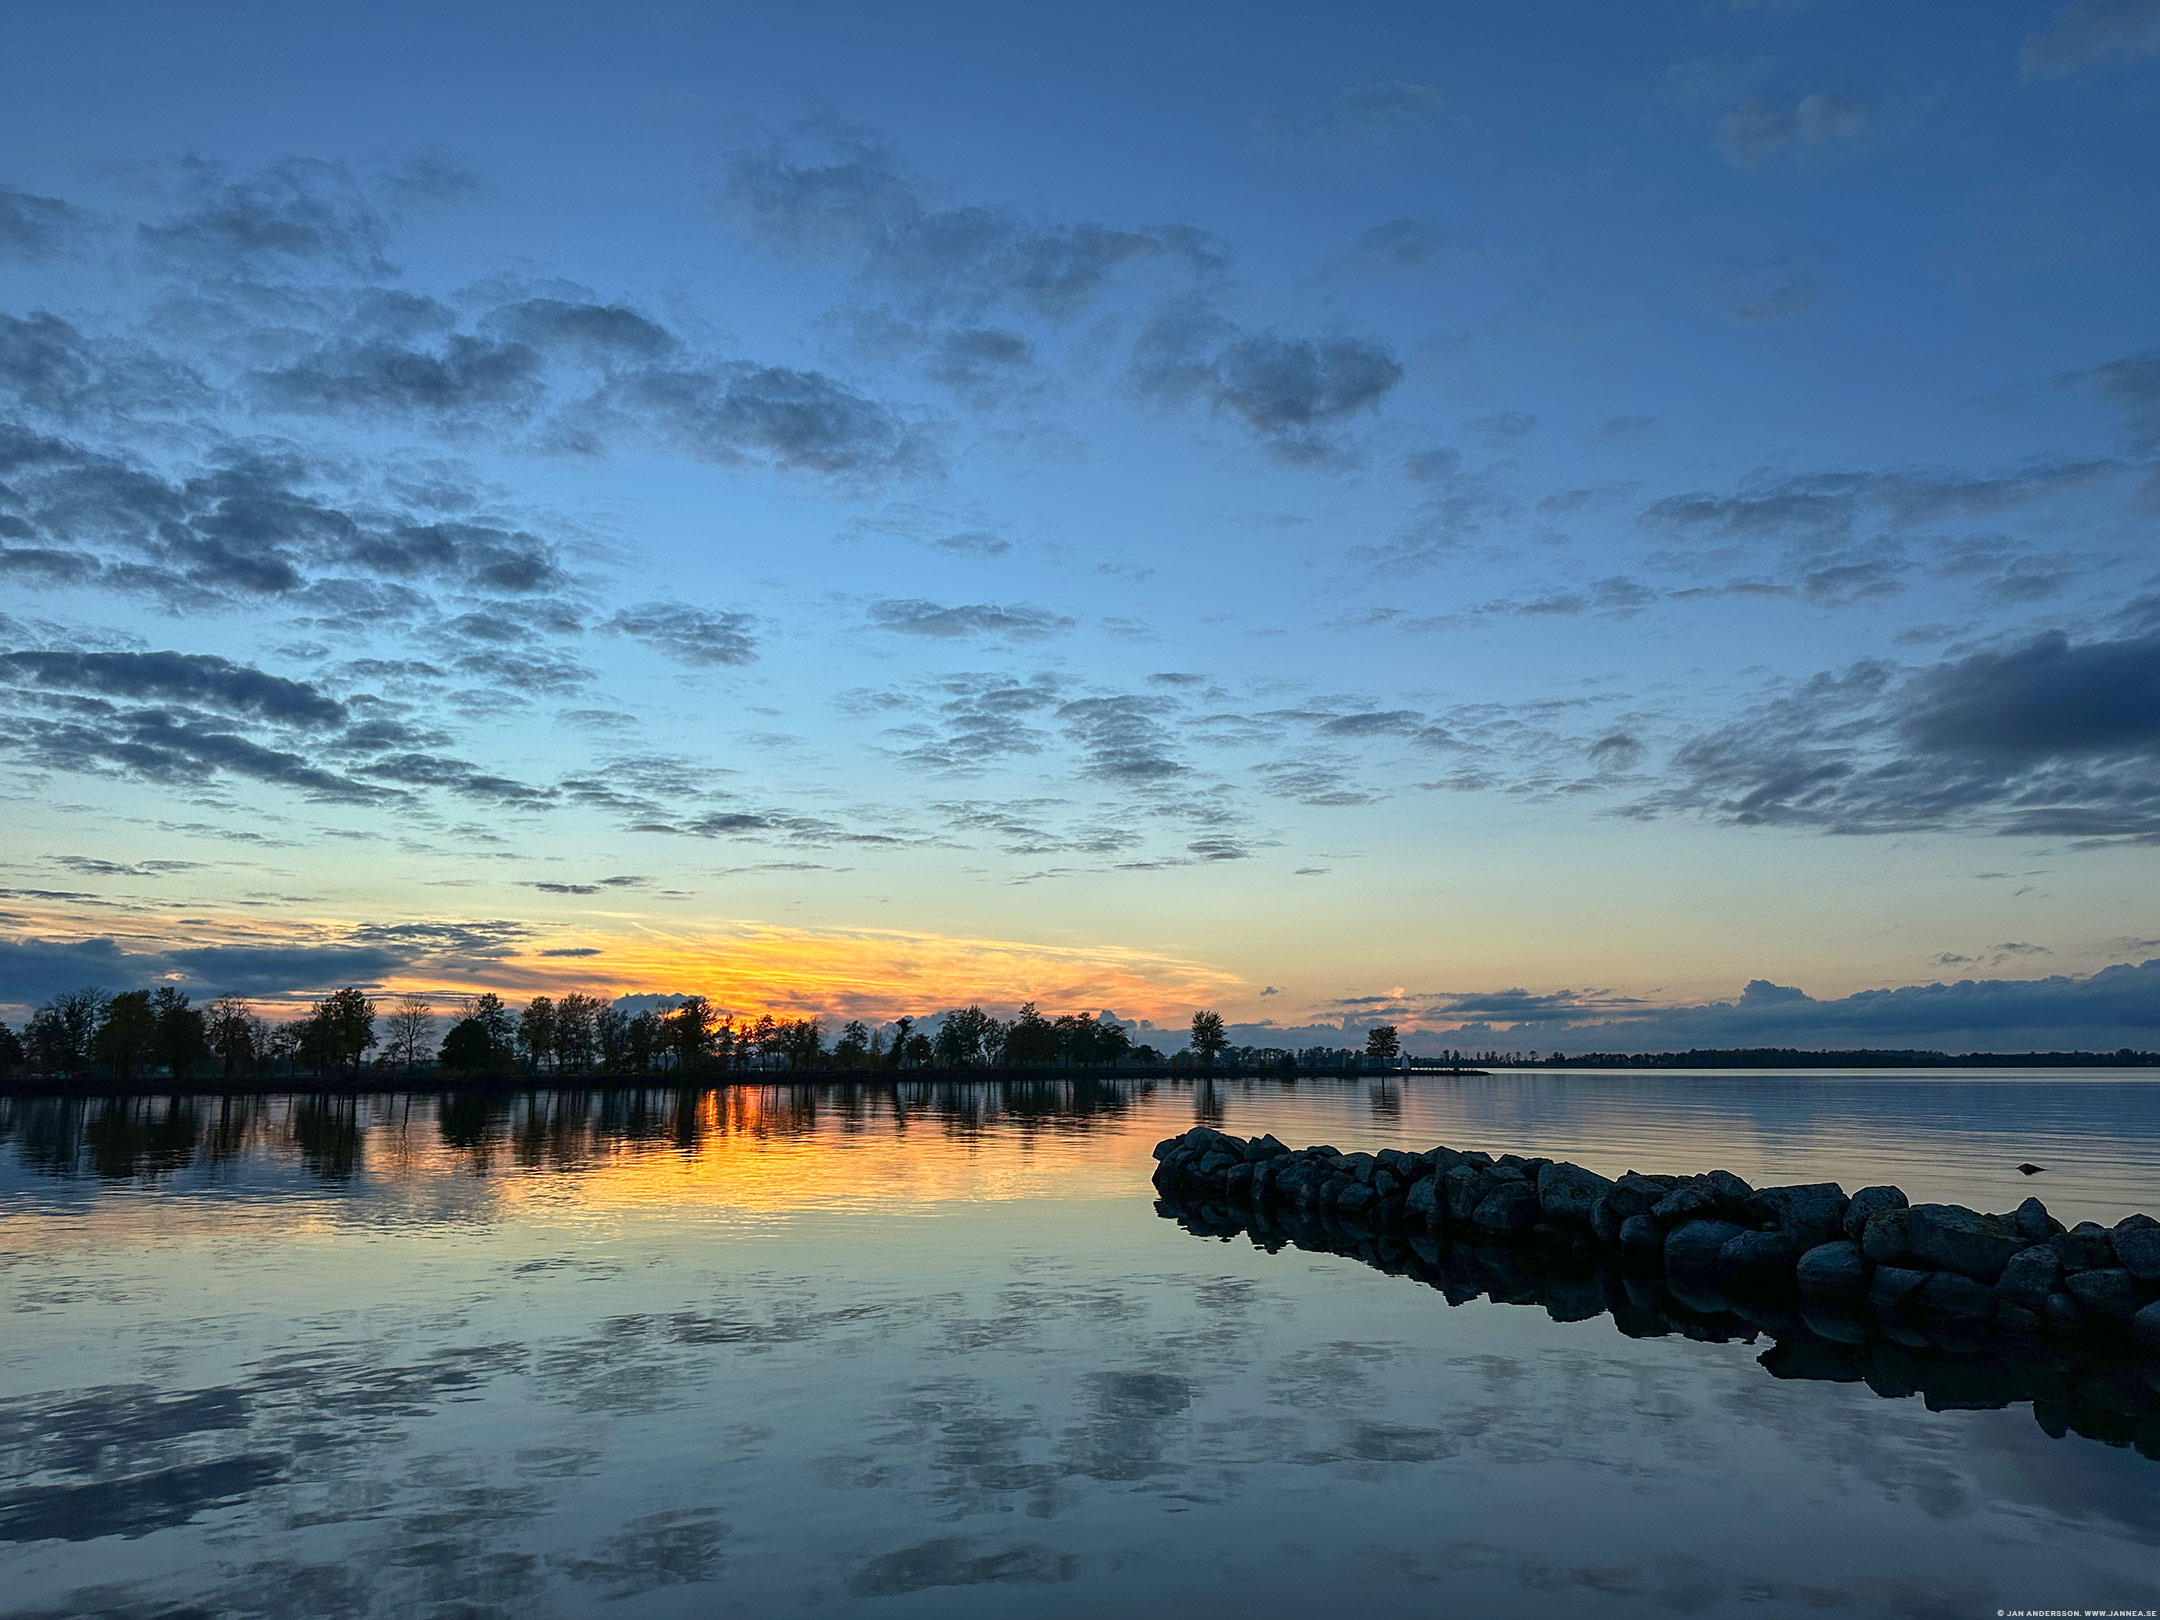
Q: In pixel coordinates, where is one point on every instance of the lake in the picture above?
(931, 1349)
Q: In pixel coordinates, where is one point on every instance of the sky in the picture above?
(1552, 525)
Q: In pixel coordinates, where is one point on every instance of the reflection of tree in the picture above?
(326, 1130)
(141, 1137)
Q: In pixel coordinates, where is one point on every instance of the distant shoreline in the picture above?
(379, 1083)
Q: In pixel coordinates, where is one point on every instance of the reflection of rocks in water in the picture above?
(2095, 1388)
(952, 1561)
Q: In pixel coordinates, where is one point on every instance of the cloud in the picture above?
(2092, 33)
(1397, 244)
(693, 636)
(294, 212)
(1288, 390)
(2047, 737)
(34, 227)
(862, 208)
(728, 412)
(1015, 622)
(1760, 289)
(2115, 1007)
(1814, 125)
(1123, 739)
(1364, 112)
(177, 677)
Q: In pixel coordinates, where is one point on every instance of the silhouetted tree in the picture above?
(127, 1034)
(903, 1031)
(918, 1053)
(802, 1043)
(689, 1033)
(536, 1033)
(12, 1051)
(1383, 1044)
(611, 1036)
(182, 1038)
(1208, 1037)
(231, 1033)
(647, 1035)
(852, 1049)
(1034, 1039)
(576, 1032)
(60, 1034)
(338, 1031)
(968, 1037)
(412, 1021)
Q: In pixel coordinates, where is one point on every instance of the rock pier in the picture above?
(1954, 1273)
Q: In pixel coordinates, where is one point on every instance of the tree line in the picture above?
(137, 1033)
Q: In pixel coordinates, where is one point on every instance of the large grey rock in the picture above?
(1615, 1204)
(1865, 1203)
(2145, 1326)
(1215, 1164)
(1360, 1165)
(2034, 1223)
(1461, 1189)
(1950, 1237)
(1566, 1192)
(1886, 1239)
(1719, 1192)
(2108, 1291)
(1697, 1245)
(1891, 1285)
(1948, 1294)
(1237, 1181)
(2030, 1276)
(2136, 1240)
(1265, 1147)
(1809, 1214)
(2064, 1313)
(1758, 1257)
(2087, 1246)
(1421, 1201)
(1510, 1207)
(1832, 1268)
(1639, 1232)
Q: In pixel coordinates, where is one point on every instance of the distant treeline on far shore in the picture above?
(1787, 1057)
(92, 1034)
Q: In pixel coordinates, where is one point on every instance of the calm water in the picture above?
(932, 1351)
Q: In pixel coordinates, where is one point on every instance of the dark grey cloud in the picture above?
(257, 520)
(49, 367)
(698, 637)
(34, 227)
(2131, 385)
(2115, 1007)
(861, 207)
(1807, 127)
(295, 212)
(1760, 289)
(1123, 738)
(1363, 112)
(283, 970)
(2092, 33)
(1013, 622)
(177, 677)
(461, 376)
(732, 412)
(596, 333)
(169, 746)
(974, 721)
(1290, 391)
(1398, 244)
(2048, 738)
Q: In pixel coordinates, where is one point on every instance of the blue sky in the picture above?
(1521, 520)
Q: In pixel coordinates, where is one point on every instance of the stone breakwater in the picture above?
(1873, 1250)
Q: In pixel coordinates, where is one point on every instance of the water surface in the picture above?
(929, 1349)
